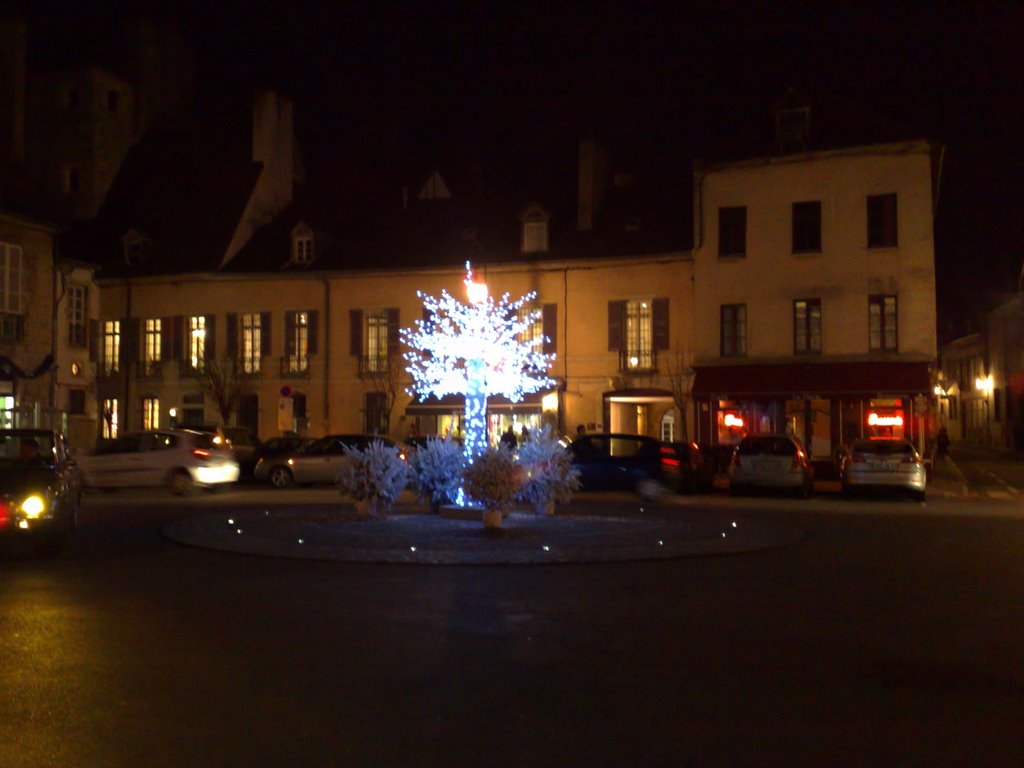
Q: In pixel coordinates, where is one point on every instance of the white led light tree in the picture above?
(476, 349)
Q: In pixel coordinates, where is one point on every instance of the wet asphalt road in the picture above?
(892, 634)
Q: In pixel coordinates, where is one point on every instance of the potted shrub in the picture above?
(374, 477)
(492, 481)
(437, 471)
(549, 477)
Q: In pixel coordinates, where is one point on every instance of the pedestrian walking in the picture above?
(942, 443)
(508, 439)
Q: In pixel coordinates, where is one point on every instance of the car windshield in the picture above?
(765, 445)
(26, 448)
(883, 447)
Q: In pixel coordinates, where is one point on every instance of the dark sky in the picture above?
(515, 84)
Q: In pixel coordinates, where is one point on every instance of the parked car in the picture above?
(610, 461)
(684, 468)
(279, 446)
(180, 459)
(317, 462)
(40, 487)
(244, 443)
(885, 463)
(770, 461)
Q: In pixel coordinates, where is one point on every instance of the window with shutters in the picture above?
(251, 338)
(734, 330)
(639, 336)
(152, 346)
(375, 342)
(197, 342)
(533, 335)
(807, 326)
(883, 333)
(111, 361)
(76, 315)
(296, 359)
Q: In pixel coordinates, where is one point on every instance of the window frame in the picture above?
(250, 353)
(197, 332)
(12, 301)
(883, 221)
(375, 342)
(111, 346)
(738, 321)
(152, 345)
(808, 322)
(638, 335)
(297, 346)
(151, 412)
(880, 300)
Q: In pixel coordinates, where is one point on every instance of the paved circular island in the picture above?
(585, 533)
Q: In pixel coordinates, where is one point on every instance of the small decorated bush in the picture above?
(549, 476)
(492, 481)
(437, 471)
(375, 476)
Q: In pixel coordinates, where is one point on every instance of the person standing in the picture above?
(508, 439)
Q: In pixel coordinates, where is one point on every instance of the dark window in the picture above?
(376, 413)
(807, 326)
(734, 330)
(882, 324)
(732, 231)
(882, 221)
(76, 402)
(806, 227)
(249, 412)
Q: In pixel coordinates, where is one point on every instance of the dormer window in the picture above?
(302, 245)
(136, 245)
(535, 229)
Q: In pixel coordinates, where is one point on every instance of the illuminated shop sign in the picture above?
(881, 420)
(734, 421)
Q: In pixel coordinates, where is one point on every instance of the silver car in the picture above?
(318, 462)
(770, 461)
(884, 463)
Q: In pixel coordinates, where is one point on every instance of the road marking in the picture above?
(1009, 488)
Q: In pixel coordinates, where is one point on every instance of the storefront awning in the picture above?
(872, 378)
(530, 403)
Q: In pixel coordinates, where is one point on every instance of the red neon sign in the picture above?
(877, 420)
(734, 421)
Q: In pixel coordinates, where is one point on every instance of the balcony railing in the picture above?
(12, 326)
(373, 365)
(633, 361)
(150, 369)
(294, 367)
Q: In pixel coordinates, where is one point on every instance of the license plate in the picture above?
(766, 466)
(882, 466)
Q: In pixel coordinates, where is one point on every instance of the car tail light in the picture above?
(5, 514)
(201, 453)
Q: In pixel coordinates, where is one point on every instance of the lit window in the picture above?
(151, 413)
(639, 347)
(151, 344)
(197, 341)
(111, 346)
(110, 418)
(252, 342)
(533, 335)
(375, 357)
(535, 236)
(296, 342)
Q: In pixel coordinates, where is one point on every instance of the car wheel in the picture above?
(281, 477)
(650, 490)
(180, 483)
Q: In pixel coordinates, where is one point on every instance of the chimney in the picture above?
(593, 182)
(792, 123)
(13, 74)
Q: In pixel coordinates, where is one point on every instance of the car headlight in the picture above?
(33, 506)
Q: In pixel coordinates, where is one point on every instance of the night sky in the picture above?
(514, 85)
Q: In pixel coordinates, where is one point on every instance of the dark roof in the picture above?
(184, 189)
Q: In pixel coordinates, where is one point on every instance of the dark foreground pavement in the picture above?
(892, 633)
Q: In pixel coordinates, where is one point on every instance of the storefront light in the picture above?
(984, 385)
(878, 420)
(734, 421)
(549, 402)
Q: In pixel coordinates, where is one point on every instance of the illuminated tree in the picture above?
(477, 349)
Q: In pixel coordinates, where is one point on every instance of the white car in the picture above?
(179, 459)
(884, 463)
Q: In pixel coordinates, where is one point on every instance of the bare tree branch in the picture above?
(225, 381)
